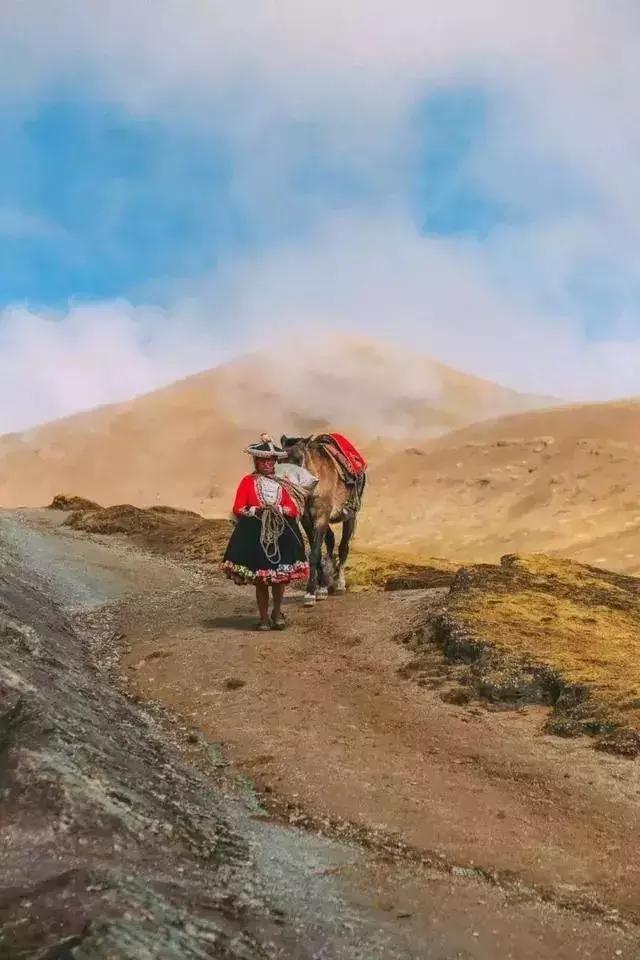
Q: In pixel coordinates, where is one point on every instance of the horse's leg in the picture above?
(328, 564)
(322, 588)
(343, 553)
(321, 592)
(308, 527)
(330, 540)
(315, 562)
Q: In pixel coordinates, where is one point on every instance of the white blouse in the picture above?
(269, 491)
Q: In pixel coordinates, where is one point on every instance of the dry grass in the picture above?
(387, 570)
(578, 623)
(62, 502)
(165, 530)
(187, 535)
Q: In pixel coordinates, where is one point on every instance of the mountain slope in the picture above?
(564, 480)
(182, 444)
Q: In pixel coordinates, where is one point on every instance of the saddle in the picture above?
(350, 463)
(350, 460)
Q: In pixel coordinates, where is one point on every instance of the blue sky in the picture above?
(450, 127)
(115, 203)
(99, 204)
(96, 203)
(465, 184)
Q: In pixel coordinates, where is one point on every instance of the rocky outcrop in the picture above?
(63, 502)
(111, 848)
(166, 530)
(541, 630)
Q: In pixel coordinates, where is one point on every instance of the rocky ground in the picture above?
(174, 784)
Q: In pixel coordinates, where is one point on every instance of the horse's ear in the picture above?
(309, 438)
(284, 441)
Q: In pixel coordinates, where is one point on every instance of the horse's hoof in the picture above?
(309, 600)
(340, 591)
(322, 594)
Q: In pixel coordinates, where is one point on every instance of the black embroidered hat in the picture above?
(266, 449)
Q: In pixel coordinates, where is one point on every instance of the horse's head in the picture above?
(295, 448)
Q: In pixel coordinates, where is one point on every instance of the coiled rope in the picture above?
(272, 526)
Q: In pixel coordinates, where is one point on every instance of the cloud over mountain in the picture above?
(498, 231)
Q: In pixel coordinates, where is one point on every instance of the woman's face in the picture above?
(265, 466)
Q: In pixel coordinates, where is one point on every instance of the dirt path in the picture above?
(322, 720)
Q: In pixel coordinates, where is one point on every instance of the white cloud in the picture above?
(434, 295)
(195, 42)
(567, 71)
(17, 223)
(370, 277)
(361, 61)
(51, 366)
(568, 79)
(568, 67)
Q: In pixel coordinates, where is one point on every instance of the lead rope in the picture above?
(298, 494)
(271, 529)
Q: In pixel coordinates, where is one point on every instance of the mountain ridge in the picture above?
(183, 443)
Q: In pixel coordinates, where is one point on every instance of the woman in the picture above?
(266, 547)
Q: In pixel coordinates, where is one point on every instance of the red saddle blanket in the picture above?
(352, 458)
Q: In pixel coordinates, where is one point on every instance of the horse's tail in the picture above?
(360, 484)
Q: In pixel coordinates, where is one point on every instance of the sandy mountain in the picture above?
(182, 444)
(445, 479)
(563, 480)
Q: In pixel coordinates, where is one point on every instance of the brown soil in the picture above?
(321, 717)
(487, 837)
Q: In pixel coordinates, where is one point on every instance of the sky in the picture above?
(183, 181)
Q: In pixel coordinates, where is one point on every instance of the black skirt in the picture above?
(246, 562)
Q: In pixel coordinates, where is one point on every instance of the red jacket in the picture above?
(248, 496)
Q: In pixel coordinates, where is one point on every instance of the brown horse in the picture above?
(330, 502)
